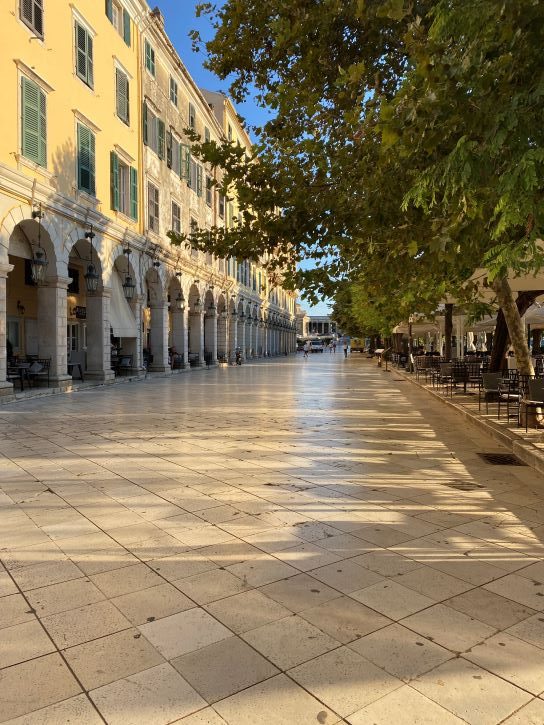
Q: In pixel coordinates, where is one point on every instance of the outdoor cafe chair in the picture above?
(532, 398)
(488, 389)
(445, 376)
(39, 370)
(509, 397)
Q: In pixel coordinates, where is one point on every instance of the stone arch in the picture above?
(23, 213)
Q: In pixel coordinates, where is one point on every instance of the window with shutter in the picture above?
(208, 190)
(176, 217)
(122, 96)
(126, 27)
(176, 156)
(85, 159)
(185, 162)
(153, 207)
(222, 206)
(31, 13)
(199, 180)
(84, 55)
(207, 136)
(192, 116)
(161, 142)
(149, 54)
(33, 122)
(169, 142)
(133, 193)
(114, 168)
(173, 91)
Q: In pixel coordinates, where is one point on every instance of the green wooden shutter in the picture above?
(109, 10)
(126, 27)
(84, 55)
(85, 159)
(34, 136)
(161, 139)
(169, 141)
(199, 180)
(133, 193)
(145, 129)
(122, 95)
(114, 166)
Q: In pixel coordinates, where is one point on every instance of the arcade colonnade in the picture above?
(87, 296)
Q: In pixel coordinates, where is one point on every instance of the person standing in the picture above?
(334, 346)
(345, 347)
(307, 347)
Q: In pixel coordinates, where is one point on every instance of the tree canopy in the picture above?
(404, 147)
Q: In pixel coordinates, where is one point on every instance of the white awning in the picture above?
(122, 319)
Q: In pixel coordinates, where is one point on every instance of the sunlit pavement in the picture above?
(302, 541)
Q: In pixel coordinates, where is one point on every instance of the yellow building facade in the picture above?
(94, 170)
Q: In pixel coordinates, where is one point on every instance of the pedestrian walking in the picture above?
(345, 348)
(334, 347)
(330, 348)
(307, 348)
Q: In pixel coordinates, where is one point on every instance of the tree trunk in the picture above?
(501, 338)
(500, 343)
(508, 305)
(448, 321)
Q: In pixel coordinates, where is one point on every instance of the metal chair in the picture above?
(489, 386)
(533, 398)
(510, 396)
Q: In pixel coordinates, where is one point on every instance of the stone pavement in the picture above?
(291, 542)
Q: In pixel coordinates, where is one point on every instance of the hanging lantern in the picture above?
(179, 302)
(197, 307)
(128, 288)
(38, 265)
(91, 279)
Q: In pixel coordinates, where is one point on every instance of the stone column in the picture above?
(52, 322)
(196, 335)
(158, 338)
(98, 336)
(210, 337)
(241, 337)
(248, 339)
(233, 336)
(258, 340)
(178, 332)
(5, 387)
(134, 345)
(222, 335)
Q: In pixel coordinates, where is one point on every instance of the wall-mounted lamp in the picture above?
(20, 308)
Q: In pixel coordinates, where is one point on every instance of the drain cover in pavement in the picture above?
(501, 459)
(464, 485)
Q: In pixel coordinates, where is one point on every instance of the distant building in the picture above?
(302, 320)
(322, 325)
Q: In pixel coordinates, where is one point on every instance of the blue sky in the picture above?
(179, 18)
